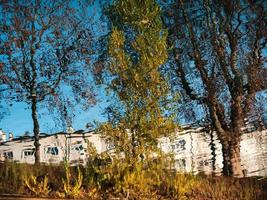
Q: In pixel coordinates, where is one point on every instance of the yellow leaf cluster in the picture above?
(137, 80)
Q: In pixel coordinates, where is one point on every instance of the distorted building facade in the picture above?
(195, 149)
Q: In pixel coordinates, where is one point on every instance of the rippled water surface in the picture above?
(201, 152)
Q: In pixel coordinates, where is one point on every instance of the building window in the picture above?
(79, 148)
(110, 146)
(52, 150)
(28, 152)
(8, 155)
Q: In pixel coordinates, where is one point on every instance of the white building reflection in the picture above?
(194, 149)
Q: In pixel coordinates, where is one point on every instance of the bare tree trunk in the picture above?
(226, 158)
(36, 130)
(230, 141)
(235, 159)
(231, 157)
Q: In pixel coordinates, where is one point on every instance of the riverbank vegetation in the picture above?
(119, 181)
(159, 57)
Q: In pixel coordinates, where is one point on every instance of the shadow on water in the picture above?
(202, 152)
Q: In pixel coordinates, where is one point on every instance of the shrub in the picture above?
(38, 187)
(72, 189)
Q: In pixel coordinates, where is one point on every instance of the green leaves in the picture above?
(137, 49)
(138, 14)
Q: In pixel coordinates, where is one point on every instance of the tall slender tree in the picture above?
(45, 45)
(137, 49)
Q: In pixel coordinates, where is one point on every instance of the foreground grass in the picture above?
(120, 182)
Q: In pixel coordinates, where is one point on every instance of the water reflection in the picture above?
(197, 151)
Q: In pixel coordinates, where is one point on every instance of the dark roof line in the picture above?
(45, 135)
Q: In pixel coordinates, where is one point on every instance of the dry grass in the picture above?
(121, 182)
